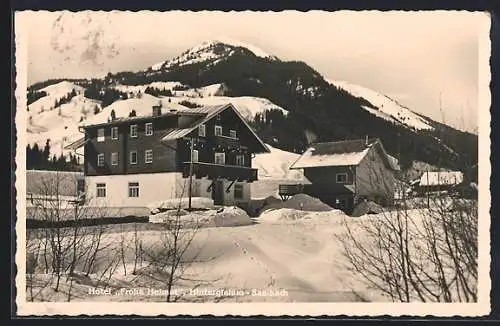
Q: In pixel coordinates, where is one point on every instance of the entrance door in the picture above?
(218, 192)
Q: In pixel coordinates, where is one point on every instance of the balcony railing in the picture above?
(226, 141)
(214, 171)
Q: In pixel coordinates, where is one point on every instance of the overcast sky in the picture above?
(412, 57)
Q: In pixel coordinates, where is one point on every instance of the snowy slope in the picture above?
(248, 106)
(387, 108)
(275, 165)
(54, 92)
(62, 128)
(141, 105)
(141, 88)
(205, 51)
(60, 125)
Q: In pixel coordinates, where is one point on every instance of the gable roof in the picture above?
(210, 112)
(340, 153)
(437, 178)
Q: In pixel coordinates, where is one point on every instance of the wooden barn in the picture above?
(344, 173)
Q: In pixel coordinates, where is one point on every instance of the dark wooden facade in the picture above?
(372, 178)
(174, 155)
(163, 156)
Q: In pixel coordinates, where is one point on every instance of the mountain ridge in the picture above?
(301, 99)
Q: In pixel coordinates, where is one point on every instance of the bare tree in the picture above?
(414, 252)
(64, 244)
(174, 254)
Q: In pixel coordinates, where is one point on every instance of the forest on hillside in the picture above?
(315, 105)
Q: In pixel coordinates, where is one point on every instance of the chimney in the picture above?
(157, 110)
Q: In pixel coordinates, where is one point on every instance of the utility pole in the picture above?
(190, 171)
(428, 187)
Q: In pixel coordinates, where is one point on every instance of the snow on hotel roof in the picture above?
(341, 153)
(441, 178)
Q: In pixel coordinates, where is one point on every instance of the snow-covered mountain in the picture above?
(225, 71)
(385, 107)
(212, 51)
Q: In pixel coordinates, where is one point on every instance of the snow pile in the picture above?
(183, 203)
(225, 217)
(231, 216)
(301, 202)
(387, 108)
(290, 214)
(276, 165)
(367, 207)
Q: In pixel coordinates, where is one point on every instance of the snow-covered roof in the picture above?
(441, 178)
(341, 153)
(210, 111)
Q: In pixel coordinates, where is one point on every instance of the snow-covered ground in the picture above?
(387, 108)
(301, 261)
(298, 256)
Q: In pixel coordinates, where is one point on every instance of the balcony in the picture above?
(214, 171)
(226, 141)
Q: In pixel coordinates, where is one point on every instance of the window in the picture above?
(194, 156)
(101, 190)
(202, 131)
(148, 156)
(218, 130)
(133, 131)
(238, 191)
(100, 135)
(341, 177)
(133, 189)
(220, 158)
(341, 202)
(240, 160)
(114, 158)
(149, 129)
(232, 133)
(80, 186)
(100, 159)
(133, 157)
(114, 133)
